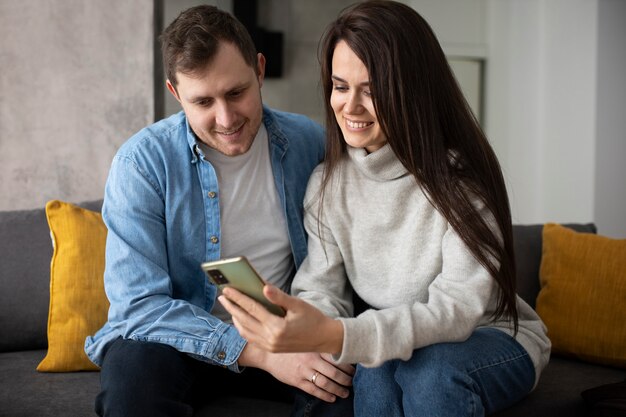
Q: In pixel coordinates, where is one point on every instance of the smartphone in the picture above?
(240, 275)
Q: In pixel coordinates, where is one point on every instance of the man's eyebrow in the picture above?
(341, 80)
(195, 99)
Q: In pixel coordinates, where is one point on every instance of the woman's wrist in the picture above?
(334, 340)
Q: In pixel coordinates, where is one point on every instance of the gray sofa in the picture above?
(24, 297)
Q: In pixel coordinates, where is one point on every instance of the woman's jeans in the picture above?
(154, 380)
(486, 373)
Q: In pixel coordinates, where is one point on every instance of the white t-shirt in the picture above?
(251, 215)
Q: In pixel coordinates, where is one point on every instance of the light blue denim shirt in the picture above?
(161, 208)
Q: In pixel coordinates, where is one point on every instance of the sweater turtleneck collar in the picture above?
(380, 165)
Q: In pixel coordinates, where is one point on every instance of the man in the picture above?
(224, 177)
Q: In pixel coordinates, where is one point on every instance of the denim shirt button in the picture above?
(214, 239)
(211, 194)
(221, 356)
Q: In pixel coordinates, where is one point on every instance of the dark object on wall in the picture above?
(267, 42)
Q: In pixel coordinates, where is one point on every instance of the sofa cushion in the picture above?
(78, 304)
(527, 243)
(558, 390)
(583, 294)
(25, 392)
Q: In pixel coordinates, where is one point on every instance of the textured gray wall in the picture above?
(76, 80)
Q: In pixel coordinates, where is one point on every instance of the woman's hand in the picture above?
(311, 372)
(303, 329)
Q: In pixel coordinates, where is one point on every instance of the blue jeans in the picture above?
(154, 380)
(486, 373)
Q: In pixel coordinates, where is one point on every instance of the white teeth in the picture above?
(357, 125)
(230, 132)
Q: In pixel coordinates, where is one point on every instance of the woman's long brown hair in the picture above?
(429, 126)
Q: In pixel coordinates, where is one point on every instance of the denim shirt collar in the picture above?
(276, 136)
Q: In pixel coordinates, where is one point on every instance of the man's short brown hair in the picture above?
(190, 42)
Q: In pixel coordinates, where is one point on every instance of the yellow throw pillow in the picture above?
(582, 299)
(78, 304)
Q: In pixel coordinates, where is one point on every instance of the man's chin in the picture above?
(233, 149)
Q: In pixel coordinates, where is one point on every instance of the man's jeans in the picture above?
(484, 374)
(153, 379)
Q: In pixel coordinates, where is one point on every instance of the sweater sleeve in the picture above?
(458, 299)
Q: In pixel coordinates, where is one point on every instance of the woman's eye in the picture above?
(340, 88)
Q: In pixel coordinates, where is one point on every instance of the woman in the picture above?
(409, 212)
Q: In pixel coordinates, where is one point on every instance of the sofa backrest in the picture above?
(26, 251)
(527, 242)
(25, 255)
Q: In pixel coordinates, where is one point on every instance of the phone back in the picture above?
(240, 275)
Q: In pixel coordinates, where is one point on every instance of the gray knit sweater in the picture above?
(381, 237)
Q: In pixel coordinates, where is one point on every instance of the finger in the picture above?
(242, 329)
(249, 335)
(278, 297)
(330, 386)
(248, 304)
(318, 392)
(346, 368)
(248, 326)
(335, 374)
(235, 311)
(232, 307)
(239, 305)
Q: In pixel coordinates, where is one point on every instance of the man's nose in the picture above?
(224, 116)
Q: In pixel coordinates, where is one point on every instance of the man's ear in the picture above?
(260, 68)
(172, 90)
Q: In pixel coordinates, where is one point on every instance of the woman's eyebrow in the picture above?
(341, 80)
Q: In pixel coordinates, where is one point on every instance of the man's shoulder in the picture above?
(289, 117)
(293, 125)
(158, 134)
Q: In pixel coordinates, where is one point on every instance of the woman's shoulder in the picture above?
(315, 180)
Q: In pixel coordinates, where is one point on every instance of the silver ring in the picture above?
(314, 377)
